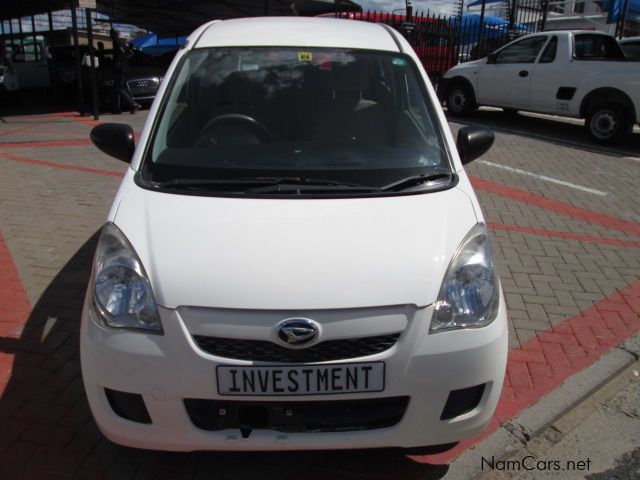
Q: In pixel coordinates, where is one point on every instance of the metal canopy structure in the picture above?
(13, 9)
(183, 16)
(171, 17)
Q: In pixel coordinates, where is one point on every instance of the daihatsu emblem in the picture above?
(297, 332)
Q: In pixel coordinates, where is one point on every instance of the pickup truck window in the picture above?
(632, 49)
(523, 51)
(549, 54)
(596, 47)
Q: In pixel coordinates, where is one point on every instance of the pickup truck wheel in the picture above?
(607, 123)
(460, 100)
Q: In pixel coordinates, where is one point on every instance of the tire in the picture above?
(460, 99)
(607, 123)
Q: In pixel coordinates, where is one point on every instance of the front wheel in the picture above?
(460, 100)
(607, 123)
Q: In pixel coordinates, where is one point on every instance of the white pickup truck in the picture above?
(581, 74)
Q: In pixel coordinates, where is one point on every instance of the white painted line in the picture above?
(545, 178)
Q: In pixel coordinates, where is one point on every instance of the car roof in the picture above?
(297, 32)
(629, 39)
(571, 32)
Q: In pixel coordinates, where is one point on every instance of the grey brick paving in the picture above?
(49, 218)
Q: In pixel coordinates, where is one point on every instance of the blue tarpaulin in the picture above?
(491, 27)
(615, 7)
(152, 45)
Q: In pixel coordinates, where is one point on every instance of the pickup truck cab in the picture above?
(580, 74)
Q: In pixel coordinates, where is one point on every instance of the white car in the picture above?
(295, 258)
(581, 74)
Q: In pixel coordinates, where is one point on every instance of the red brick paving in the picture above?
(46, 163)
(46, 426)
(589, 216)
(47, 143)
(568, 236)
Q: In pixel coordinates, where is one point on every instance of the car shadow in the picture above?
(47, 430)
(36, 102)
(562, 132)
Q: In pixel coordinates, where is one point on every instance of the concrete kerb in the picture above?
(516, 434)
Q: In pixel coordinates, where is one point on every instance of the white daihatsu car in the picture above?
(295, 258)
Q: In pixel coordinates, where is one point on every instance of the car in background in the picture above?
(631, 46)
(580, 74)
(24, 67)
(142, 79)
(488, 45)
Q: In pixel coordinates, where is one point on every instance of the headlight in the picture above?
(469, 296)
(122, 295)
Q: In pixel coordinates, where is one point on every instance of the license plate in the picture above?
(301, 380)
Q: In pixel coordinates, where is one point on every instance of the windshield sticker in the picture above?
(305, 56)
(399, 62)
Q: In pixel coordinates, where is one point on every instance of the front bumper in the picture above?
(167, 369)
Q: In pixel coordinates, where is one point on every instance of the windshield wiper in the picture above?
(308, 185)
(258, 184)
(438, 179)
(199, 183)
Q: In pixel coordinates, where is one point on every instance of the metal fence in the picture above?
(629, 22)
(442, 41)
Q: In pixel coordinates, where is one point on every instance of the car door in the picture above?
(505, 79)
(31, 67)
(550, 89)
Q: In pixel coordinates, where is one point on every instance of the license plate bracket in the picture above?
(300, 380)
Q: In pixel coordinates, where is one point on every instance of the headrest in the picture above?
(349, 77)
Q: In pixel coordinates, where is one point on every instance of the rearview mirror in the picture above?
(114, 139)
(473, 142)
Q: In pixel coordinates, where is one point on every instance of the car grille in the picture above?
(296, 417)
(143, 87)
(259, 350)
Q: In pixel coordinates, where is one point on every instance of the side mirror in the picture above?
(491, 58)
(473, 142)
(114, 139)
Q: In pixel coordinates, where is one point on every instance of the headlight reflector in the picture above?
(122, 294)
(469, 296)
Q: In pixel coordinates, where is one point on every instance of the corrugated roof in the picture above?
(177, 16)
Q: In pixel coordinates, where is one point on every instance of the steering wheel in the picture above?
(234, 122)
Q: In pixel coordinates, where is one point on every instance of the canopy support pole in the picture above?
(92, 66)
(76, 45)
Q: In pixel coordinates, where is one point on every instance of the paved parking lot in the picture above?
(565, 218)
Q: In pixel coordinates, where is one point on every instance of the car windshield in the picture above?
(356, 118)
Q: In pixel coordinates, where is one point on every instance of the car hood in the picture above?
(144, 72)
(298, 254)
(465, 66)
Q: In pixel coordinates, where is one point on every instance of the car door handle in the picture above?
(523, 73)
